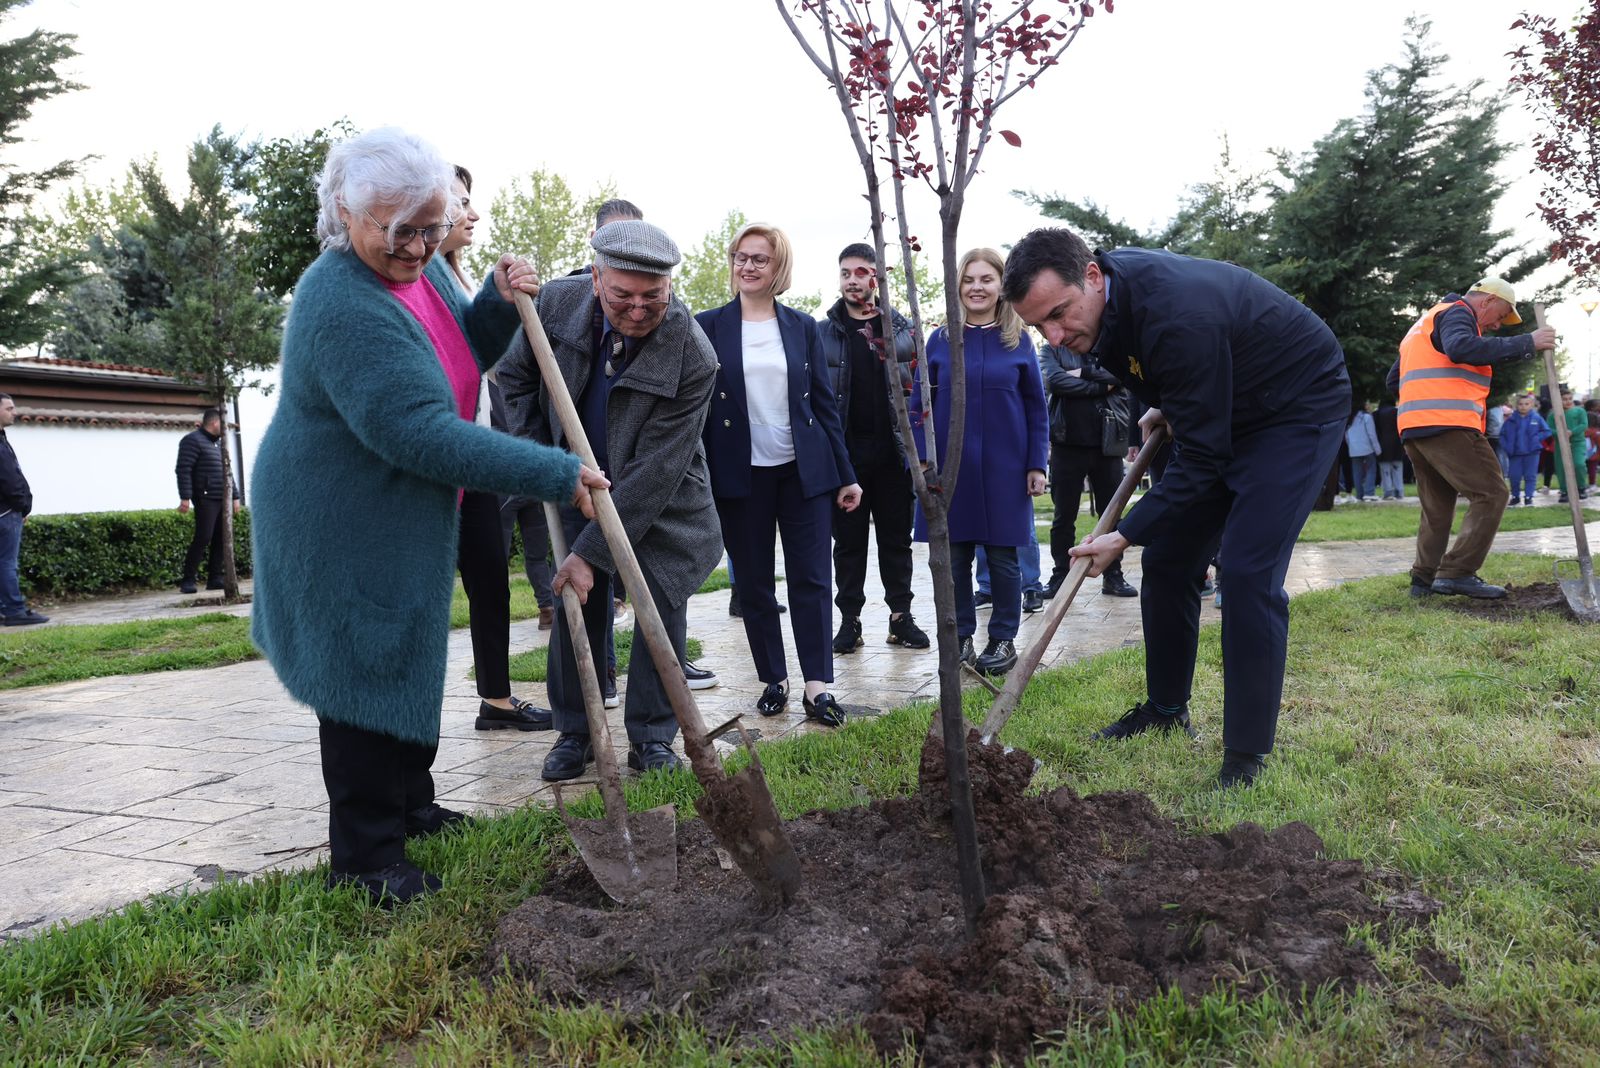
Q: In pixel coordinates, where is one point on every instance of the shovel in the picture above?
(1581, 595)
(1007, 699)
(738, 809)
(627, 855)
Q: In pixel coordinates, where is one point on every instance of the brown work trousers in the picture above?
(1449, 465)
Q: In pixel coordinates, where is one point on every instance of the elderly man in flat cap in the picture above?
(641, 374)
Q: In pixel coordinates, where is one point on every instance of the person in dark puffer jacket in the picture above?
(16, 501)
(203, 485)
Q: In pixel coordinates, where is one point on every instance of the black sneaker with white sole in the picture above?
(1145, 717)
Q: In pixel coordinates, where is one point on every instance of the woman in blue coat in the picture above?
(358, 489)
(1003, 454)
(776, 451)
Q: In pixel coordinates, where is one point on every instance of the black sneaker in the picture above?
(520, 716)
(391, 886)
(431, 819)
(216, 584)
(903, 631)
(188, 586)
(568, 758)
(608, 689)
(1144, 717)
(28, 618)
(1238, 769)
(1468, 586)
(1032, 601)
(734, 608)
(1053, 587)
(999, 657)
(698, 677)
(967, 655)
(981, 600)
(1114, 585)
(849, 638)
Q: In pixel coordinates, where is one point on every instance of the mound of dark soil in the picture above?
(1095, 902)
(1519, 602)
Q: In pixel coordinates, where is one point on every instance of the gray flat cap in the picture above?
(634, 245)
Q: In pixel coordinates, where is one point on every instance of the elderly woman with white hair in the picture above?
(357, 486)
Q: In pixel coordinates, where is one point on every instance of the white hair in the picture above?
(387, 166)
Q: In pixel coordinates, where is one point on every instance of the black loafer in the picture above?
(431, 819)
(568, 758)
(391, 886)
(520, 716)
(652, 756)
(824, 709)
(773, 699)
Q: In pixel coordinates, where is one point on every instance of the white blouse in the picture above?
(766, 393)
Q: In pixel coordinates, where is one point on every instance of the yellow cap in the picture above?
(1499, 287)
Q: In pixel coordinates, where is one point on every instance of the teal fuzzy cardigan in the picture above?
(354, 503)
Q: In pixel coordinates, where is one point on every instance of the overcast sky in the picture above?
(696, 107)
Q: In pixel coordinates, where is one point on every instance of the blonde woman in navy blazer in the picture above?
(775, 447)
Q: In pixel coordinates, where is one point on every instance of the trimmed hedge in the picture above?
(93, 551)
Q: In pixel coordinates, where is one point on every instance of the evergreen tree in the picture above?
(541, 219)
(279, 181)
(29, 75)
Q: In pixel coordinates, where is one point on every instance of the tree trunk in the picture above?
(230, 574)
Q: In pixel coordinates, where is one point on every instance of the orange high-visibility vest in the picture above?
(1435, 390)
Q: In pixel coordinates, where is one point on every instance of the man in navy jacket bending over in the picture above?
(1254, 390)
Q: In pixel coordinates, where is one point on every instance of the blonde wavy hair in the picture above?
(1005, 316)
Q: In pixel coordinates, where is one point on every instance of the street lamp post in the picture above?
(1588, 307)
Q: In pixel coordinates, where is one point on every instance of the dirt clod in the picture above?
(1095, 902)
(1518, 603)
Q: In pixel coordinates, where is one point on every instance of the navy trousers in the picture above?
(1249, 523)
(1005, 586)
(750, 527)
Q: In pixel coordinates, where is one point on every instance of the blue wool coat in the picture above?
(354, 505)
(1007, 435)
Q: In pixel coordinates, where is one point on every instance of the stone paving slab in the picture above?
(113, 789)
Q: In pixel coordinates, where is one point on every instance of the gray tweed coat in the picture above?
(654, 417)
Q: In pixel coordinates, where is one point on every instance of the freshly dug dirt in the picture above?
(1518, 603)
(1094, 902)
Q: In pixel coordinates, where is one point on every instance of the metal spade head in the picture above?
(1582, 595)
(743, 819)
(629, 856)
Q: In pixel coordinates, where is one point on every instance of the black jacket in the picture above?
(1223, 353)
(15, 496)
(1077, 402)
(835, 334)
(200, 467)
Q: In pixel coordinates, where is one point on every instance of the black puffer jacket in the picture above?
(1077, 401)
(836, 350)
(15, 496)
(200, 467)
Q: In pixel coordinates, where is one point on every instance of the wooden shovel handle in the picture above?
(1564, 456)
(1017, 680)
(702, 757)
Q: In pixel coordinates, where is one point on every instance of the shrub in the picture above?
(93, 551)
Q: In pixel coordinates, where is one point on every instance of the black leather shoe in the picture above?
(391, 886)
(188, 586)
(903, 631)
(431, 819)
(568, 758)
(1032, 601)
(520, 716)
(824, 709)
(849, 638)
(216, 584)
(981, 600)
(773, 699)
(1238, 769)
(1053, 587)
(1421, 590)
(1144, 717)
(1468, 586)
(652, 756)
(1112, 584)
(999, 657)
(698, 677)
(734, 608)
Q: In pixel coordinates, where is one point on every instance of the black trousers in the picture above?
(887, 504)
(207, 541)
(373, 780)
(1069, 466)
(528, 514)
(481, 559)
(1255, 514)
(751, 526)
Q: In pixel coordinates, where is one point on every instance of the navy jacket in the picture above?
(1223, 353)
(15, 496)
(200, 468)
(820, 457)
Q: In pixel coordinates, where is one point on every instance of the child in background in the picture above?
(1521, 436)
(1573, 440)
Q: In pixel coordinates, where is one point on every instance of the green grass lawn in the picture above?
(1359, 522)
(1462, 752)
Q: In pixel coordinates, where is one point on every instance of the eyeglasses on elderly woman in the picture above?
(401, 236)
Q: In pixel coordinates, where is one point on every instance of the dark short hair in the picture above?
(464, 176)
(210, 414)
(859, 251)
(614, 209)
(5, 396)
(1048, 248)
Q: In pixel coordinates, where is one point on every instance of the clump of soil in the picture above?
(1094, 902)
(1518, 603)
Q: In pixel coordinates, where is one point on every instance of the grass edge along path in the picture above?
(1461, 752)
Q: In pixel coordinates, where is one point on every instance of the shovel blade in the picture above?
(631, 856)
(1582, 600)
(743, 819)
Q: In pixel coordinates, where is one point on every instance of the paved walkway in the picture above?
(115, 788)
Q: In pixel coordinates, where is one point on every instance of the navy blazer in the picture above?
(820, 456)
